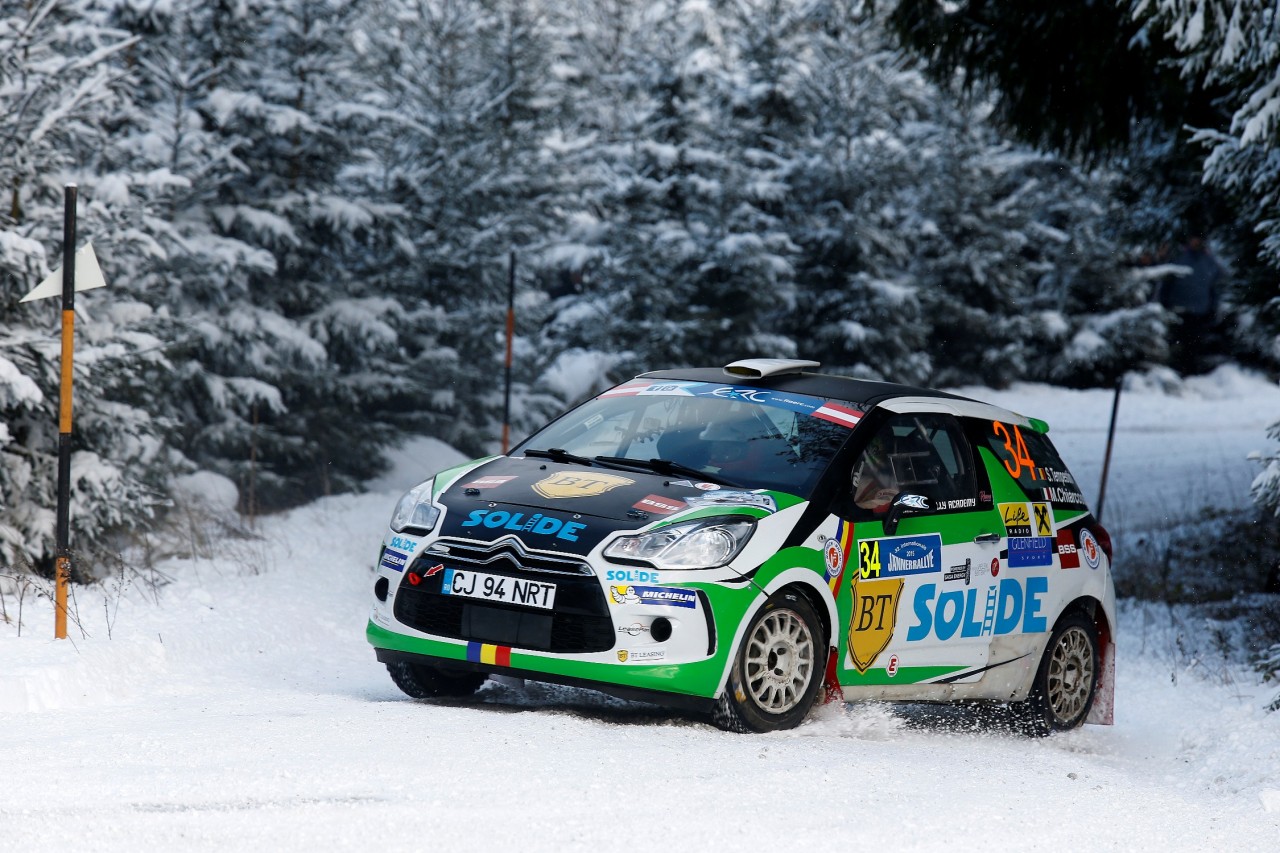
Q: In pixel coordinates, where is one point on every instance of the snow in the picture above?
(239, 706)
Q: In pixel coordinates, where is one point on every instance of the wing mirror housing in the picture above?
(905, 504)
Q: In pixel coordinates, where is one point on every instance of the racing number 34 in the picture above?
(1019, 457)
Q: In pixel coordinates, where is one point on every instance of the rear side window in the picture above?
(1030, 458)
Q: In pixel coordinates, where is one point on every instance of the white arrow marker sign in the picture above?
(88, 276)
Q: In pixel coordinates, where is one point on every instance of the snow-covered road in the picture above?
(246, 711)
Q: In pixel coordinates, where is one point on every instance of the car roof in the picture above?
(867, 392)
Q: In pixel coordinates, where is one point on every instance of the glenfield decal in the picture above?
(579, 485)
(1028, 551)
(539, 524)
(875, 610)
(1010, 607)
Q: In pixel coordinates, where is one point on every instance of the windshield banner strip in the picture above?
(840, 412)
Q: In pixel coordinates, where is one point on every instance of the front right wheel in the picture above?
(778, 670)
(1066, 681)
(425, 682)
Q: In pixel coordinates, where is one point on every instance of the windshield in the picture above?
(756, 438)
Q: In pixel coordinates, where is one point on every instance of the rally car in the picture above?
(742, 541)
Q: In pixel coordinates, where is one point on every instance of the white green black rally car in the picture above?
(734, 540)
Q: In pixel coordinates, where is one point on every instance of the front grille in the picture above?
(578, 623)
(506, 554)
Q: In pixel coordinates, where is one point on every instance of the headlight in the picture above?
(702, 544)
(415, 510)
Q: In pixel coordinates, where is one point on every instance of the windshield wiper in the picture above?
(559, 454)
(669, 467)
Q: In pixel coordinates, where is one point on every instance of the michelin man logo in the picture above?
(624, 595)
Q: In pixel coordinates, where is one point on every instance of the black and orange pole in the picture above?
(62, 567)
(511, 332)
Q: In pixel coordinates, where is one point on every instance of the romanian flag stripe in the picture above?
(838, 414)
(486, 653)
(846, 546)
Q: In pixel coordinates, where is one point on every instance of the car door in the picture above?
(919, 610)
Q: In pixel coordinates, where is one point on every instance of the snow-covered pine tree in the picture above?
(1232, 47)
(454, 123)
(64, 92)
(858, 188)
(278, 355)
(679, 256)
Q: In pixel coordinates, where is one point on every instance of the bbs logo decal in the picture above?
(1068, 554)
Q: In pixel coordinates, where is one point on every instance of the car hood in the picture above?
(564, 507)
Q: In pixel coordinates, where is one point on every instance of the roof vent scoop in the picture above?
(756, 368)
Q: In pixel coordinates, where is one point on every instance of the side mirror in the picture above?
(903, 505)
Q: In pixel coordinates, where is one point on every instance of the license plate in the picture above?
(498, 588)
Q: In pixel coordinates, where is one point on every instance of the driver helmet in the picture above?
(873, 477)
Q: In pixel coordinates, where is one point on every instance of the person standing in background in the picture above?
(1194, 297)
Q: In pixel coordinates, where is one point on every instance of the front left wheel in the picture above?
(778, 670)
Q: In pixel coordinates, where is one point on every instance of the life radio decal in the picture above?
(1090, 549)
(579, 485)
(669, 596)
(1016, 518)
(835, 554)
(1068, 553)
(899, 555)
(393, 561)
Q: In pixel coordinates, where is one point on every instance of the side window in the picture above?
(924, 454)
(1031, 459)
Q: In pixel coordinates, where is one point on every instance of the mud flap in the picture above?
(1103, 712)
(832, 693)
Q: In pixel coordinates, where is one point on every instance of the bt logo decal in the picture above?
(543, 525)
